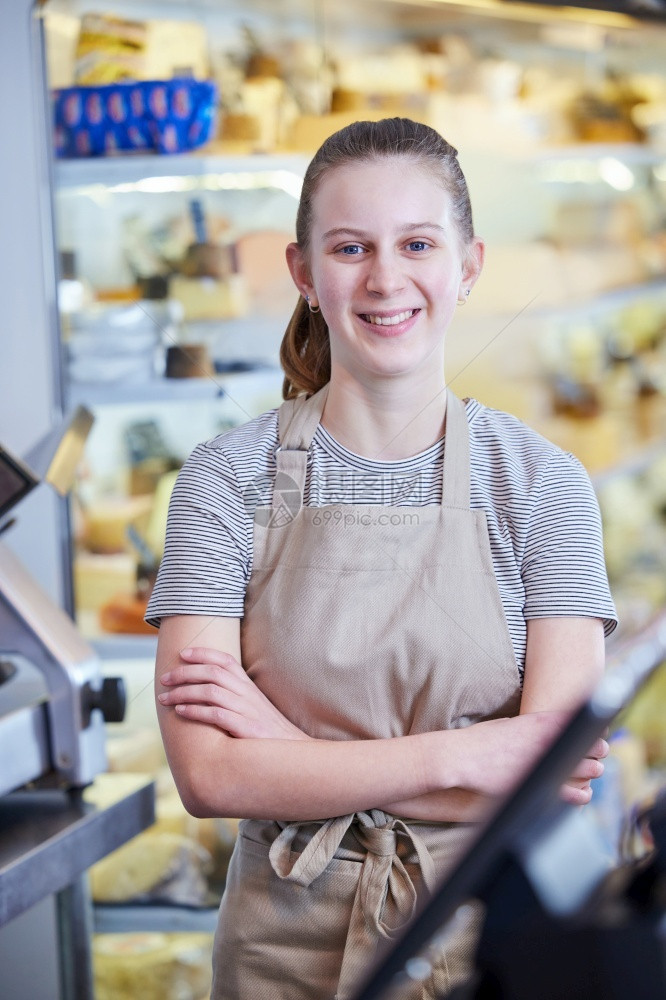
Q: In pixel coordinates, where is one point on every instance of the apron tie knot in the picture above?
(386, 895)
(382, 842)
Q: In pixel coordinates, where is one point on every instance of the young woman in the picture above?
(377, 603)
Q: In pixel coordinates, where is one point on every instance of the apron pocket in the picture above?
(277, 940)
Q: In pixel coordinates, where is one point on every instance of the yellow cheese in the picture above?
(97, 578)
(154, 864)
(208, 298)
(152, 966)
(106, 522)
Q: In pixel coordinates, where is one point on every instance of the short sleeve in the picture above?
(205, 566)
(563, 567)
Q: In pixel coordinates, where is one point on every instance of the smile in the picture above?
(388, 320)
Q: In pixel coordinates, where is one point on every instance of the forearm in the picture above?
(452, 805)
(297, 780)
(233, 754)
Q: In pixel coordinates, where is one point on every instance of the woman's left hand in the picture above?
(212, 687)
(578, 788)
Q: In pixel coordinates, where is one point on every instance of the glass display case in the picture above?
(174, 293)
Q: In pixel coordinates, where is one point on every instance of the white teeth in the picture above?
(389, 320)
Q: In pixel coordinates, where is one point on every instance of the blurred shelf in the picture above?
(171, 390)
(635, 153)
(613, 298)
(124, 647)
(153, 174)
(154, 918)
(633, 465)
(158, 390)
(158, 174)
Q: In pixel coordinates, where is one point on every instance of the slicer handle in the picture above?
(110, 699)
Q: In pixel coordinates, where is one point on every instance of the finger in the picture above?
(599, 749)
(588, 768)
(575, 796)
(202, 673)
(203, 654)
(579, 783)
(228, 722)
(200, 694)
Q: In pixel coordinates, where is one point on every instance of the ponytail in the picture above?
(305, 353)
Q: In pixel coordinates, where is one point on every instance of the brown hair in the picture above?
(305, 351)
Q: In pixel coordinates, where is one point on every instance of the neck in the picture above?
(385, 419)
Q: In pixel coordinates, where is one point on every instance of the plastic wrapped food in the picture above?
(164, 966)
(163, 116)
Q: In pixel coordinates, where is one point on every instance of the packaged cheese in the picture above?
(154, 865)
(159, 966)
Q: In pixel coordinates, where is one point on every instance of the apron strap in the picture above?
(386, 897)
(299, 418)
(297, 421)
(455, 485)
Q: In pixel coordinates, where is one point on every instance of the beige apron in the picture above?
(361, 621)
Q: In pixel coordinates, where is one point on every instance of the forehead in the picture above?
(398, 188)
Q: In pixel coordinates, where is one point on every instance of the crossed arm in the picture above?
(233, 754)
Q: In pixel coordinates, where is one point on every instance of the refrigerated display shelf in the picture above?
(153, 918)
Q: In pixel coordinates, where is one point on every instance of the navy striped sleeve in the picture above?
(205, 567)
(563, 566)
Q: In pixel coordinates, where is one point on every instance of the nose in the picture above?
(385, 273)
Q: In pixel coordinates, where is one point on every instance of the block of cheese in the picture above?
(152, 966)
(124, 614)
(97, 578)
(156, 527)
(105, 522)
(111, 48)
(176, 48)
(261, 261)
(154, 865)
(208, 298)
(135, 751)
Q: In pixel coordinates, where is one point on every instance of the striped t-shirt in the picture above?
(541, 510)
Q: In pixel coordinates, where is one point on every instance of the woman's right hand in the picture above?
(211, 686)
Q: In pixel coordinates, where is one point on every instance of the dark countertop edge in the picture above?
(51, 866)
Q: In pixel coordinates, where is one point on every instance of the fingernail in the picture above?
(180, 709)
(166, 678)
(186, 652)
(161, 697)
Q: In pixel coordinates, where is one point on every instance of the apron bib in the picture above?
(361, 622)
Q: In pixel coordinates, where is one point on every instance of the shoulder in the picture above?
(503, 447)
(241, 453)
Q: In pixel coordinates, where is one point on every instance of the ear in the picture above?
(298, 268)
(472, 263)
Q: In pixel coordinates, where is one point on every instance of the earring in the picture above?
(463, 299)
(313, 309)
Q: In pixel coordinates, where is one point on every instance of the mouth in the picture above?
(393, 320)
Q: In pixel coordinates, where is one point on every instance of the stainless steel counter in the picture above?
(48, 839)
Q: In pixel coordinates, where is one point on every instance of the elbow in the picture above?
(194, 802)
(201, 798)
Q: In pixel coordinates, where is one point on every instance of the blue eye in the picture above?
(417, 245)
(351, 250)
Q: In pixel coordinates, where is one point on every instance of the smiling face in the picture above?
(386, 265)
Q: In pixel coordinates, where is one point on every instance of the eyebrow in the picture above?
(360, 234)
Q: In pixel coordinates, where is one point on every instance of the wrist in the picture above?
(443, 765)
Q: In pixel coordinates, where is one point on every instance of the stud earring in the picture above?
(313, 309)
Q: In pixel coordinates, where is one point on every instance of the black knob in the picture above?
(110, 699)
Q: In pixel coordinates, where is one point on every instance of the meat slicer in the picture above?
(53, 699)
